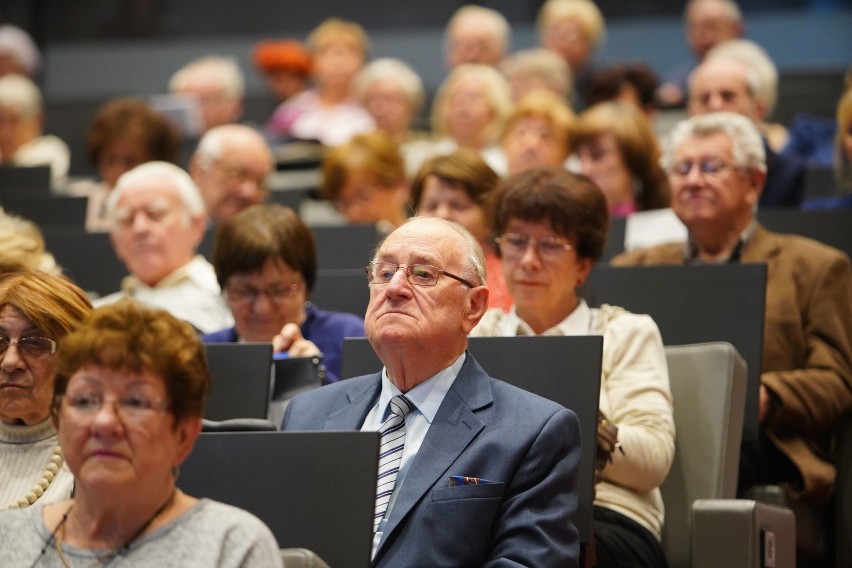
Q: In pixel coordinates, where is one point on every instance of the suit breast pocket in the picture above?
(491, 491)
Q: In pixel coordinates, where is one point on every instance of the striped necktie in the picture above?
(390, 454)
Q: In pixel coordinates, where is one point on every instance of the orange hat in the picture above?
(282, 55)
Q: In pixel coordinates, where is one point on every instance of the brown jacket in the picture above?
(807, 350)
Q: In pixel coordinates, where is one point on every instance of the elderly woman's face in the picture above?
(602, 160)
(451, 202)
(26, 375)
(389, 106)
(263, 302)
(541, 278)
(469, 112)
(116, 431)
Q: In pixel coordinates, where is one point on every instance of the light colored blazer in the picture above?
(526, 446)
(807, 345)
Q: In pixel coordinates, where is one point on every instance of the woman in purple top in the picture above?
(265, 261)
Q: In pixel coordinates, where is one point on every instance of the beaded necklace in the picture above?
(53, 465)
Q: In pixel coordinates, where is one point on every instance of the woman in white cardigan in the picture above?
(551, 228)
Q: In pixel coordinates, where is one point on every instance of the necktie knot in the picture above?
(400, 406)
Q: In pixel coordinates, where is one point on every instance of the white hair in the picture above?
(20, 95)
(211, 146)
(492, 21)
(763, 75)
(732, 9)
(747, 144)
(496, 89)
(396, 70)
(222, 71)
(187, 191)
(541, 63)
(21, 47)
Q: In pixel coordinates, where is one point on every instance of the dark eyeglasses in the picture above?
(32, 346)
(417, 274)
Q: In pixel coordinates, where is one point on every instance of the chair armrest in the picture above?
(301, 558)
(238, 425)
(742, 533)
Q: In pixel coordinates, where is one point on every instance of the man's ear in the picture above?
(757, 179)
(476, 307)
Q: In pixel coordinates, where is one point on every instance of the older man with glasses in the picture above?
(717, 169)
(230, 168)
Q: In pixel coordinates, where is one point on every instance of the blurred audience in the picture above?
(19, 54)
(573, 29)
(266, 263)
(537, 68)
(633, 83)
(728, 84)
(618, 150)
(476, 34)
(125, 132)
(158, 220)
(537, 132)
(457, 187)
(328, 112)
(470, 111)
(217, 84)
(707, 23)
(22, 142)
(843, 141)
(230, 167)
(365, 180)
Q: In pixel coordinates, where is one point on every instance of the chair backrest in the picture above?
(695, 304)
(342, 290)
(88, 259)
(314, 490)
(241, 375)
(708, 383)
(346, 246)
(828, 226)
(566, 370)
(301, 558)
(24, 181)
(60, 212)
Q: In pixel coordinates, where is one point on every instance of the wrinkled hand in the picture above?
(607, 438)
(290, 339)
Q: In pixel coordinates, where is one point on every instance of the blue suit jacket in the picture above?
(527, 446)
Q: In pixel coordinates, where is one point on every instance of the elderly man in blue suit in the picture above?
(488, 472)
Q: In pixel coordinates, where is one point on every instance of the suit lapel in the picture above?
(361, 397)
(454, 428)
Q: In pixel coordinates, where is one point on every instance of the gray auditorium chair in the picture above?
(301, 558)
(708, 383)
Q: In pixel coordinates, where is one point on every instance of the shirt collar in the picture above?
(578, 322)
(428, 395)
(691, 249)
(191, 271)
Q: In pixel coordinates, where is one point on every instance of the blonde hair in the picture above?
(495, 87)
(842, 161)
(374, 152)
(542, 64)
(22, 246)
(546, 105)
(584, 12)
(335, 29)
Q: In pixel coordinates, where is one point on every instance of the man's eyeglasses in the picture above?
(130, 408)
(513, 245)
(706, 167)
(250, 294)
(417, 274)
(32, 346)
